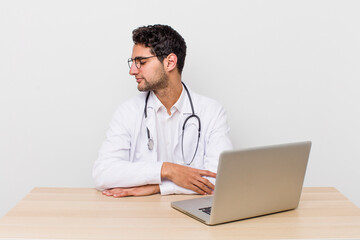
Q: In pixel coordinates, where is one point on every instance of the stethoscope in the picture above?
(150, 143)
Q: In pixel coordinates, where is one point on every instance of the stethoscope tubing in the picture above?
(193, 115)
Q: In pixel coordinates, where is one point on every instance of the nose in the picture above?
(133, 69)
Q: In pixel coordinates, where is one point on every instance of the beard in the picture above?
(161, 81)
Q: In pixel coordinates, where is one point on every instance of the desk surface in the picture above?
(78, 213)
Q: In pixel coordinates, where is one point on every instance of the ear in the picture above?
(170, 62)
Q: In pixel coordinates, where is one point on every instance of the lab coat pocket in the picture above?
(138, 156)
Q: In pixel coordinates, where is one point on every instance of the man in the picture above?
(167, 139)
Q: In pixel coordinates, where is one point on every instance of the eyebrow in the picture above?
(139, 58)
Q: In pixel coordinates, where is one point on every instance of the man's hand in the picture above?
(133, 191)
(187, 177)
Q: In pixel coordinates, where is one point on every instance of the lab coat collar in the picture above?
(182, 104)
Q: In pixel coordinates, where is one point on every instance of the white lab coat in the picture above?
(125, 160)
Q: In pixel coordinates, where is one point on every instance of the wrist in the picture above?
(165, 170)
(157, 189)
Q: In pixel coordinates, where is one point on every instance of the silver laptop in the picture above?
(252, 182)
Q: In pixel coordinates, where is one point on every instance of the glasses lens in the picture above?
(130, 62)
(137, 63)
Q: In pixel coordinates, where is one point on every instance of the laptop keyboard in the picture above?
(206, 210)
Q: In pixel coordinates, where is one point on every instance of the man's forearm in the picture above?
(110, 174)
(133, 191)
(188, 177)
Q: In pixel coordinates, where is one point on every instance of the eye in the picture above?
(140, 61)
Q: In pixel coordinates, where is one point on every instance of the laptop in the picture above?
(252, 182)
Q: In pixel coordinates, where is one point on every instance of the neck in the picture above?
(169, 95)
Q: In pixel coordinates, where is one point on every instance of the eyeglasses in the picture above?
(139, 60)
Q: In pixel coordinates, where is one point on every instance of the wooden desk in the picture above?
(68, 213)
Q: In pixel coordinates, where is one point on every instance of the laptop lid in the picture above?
(253, 182)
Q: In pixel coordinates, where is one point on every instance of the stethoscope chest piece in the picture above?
(150, 144)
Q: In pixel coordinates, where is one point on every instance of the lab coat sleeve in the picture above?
(114, 168)
(167, 187)
(216, 140)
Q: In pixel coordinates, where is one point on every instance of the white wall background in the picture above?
(285, 71)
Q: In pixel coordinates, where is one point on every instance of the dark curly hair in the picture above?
(162, 40)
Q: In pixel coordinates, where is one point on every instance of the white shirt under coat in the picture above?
(125, 160)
